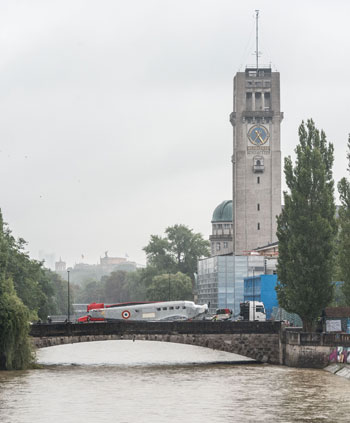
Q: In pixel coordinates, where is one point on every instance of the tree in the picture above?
(169, 287)
(30, 279)
(307, 228)
(137, 283)
(15, 350)
(178, 251)
(343, 257)
(115, 287)
(58, 300)
(90, 292)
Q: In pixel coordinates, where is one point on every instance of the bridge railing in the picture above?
(317, 339)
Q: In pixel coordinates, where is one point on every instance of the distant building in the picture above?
(48, 259)
(60, 266)
(220, 280)
(81, 272)
(108, 262)
(221, 237)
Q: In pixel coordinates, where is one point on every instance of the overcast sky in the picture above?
(114, 115)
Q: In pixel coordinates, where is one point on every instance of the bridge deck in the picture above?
(161, 328)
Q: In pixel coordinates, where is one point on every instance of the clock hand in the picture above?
(259, 136)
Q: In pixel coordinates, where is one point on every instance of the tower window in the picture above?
(258, 101)
(258, 206)
(249, 102)
(258, 226)
(267, 102)
(218, 246)
(225, 244)
(258, 164)
(258, 180)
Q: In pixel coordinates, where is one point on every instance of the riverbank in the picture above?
(339, 369)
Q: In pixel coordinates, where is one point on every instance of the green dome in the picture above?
(223, 212)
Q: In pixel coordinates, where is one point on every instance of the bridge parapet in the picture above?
(141, 327)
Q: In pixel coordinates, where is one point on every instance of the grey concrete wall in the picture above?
(312, 350)
(308, 356)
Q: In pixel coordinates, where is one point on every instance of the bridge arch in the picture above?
(257, 340)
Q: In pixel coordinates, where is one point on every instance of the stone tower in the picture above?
(256, 159)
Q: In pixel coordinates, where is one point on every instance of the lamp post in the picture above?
(253, 294)
(169, 284)
(68, 319)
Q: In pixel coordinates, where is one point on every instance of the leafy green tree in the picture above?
(178, 251)
(30, 279)
(90, 292)
(343, 257)
(58, 300)
(137, 283)
(170, 287)
(115, 287)
(15, 351)
(307, 228)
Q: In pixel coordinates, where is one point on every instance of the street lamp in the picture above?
(253, 294)
(68, 298)
(169, 284)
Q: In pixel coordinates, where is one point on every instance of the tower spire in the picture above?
(257, 40)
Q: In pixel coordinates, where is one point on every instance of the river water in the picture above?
(143, 381)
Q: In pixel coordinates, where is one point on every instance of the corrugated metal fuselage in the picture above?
(167, 310)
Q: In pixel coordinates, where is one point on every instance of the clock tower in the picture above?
(256, 159)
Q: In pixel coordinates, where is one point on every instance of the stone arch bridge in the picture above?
(261, 341)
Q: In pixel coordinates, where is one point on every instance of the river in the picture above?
(143, 381)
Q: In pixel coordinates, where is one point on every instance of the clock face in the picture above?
(258, 135)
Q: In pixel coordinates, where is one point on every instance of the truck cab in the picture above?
(252, 311)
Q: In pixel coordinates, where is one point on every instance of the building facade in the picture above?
(220, 280)
(256, 159)
(221, 236)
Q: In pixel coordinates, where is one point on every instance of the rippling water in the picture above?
(125, 381)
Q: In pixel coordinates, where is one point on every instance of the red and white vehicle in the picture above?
(222, 314)
(165, 310)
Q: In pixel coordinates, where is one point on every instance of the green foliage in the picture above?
(89, 292)
(15, 352)
(58, 289)
(115, 287)
(15, 349)
(178, 251)
(343, 257)
(137, 283)
(27, 291)
(33, 284)
(307, 228)
(170, 287)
